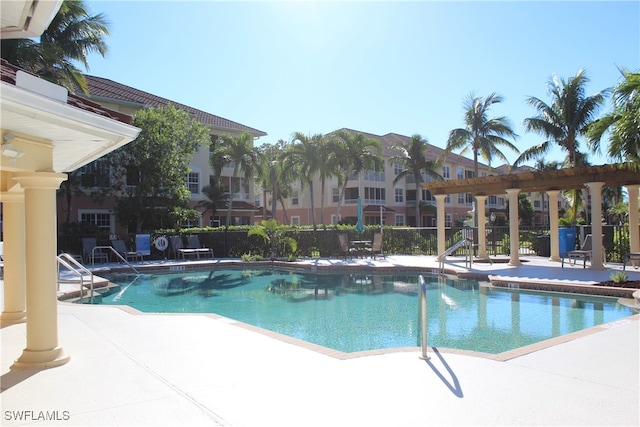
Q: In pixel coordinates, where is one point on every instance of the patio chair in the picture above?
(343, 242)
(89, 254)
(121, 248)
(584, 253)
(193, 242)
(376, 246)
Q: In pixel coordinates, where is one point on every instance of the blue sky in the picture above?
(378, 67)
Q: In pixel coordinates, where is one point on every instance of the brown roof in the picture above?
(8, 75)
(105, 88)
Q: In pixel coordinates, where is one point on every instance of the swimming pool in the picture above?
(364, 311)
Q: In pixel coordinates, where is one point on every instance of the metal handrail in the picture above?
(112, 249)
(422, 314)
(62, 260)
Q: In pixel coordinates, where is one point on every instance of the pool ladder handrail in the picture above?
(422, 315)
(117, 254)
(69, 262)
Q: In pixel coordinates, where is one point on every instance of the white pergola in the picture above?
(551, 182)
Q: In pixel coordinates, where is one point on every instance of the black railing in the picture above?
(399, 241)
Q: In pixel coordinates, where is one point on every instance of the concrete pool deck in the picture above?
(134, 369)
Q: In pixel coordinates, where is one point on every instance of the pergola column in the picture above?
(14, 258)
(42, 349)
(595, 190)
(482, 234)
(634, 218)
(440, 214)
(553, 225)
(514, 226)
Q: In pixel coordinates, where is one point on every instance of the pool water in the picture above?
(354, 312)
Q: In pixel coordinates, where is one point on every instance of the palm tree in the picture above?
(564, 120)
(413, 160)
(622, 123)
(355, 153)
(215, 197)
(328, 167)
(239, 151)
(306, 153)
(72, 35)
(481, 135)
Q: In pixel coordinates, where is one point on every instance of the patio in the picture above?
(129, 368)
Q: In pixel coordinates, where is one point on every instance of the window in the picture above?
(295, 220)
(351, 195)
(461, 198)
(468, 174)
(447, 199)
(397, 168)
(492, 200)
(446, 172)
(536, 204)
(399, 192)
(95, 174)
(460, 173)
(400, 221)
(335, 195)
(193, 182)
(468, 198)
(100, 219)
(295, 199)
(447, 220)
(214, 221)
(427, 197)
(411, 195)
(374, 196)
(257, 201)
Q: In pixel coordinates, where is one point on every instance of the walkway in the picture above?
(156, 369)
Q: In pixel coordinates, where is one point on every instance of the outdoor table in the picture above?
(361, 246)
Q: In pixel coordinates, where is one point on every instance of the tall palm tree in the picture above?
(481, 135)
(564, 120)
(354, 153)
(328, 167)
(622, 123)
(306, 153)
(72, 35)
(414, 162)
(239, 151)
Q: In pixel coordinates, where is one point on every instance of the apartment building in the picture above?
(395, 205)
(128, 100)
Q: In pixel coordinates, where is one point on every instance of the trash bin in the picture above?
(567, 240)
(544, 245)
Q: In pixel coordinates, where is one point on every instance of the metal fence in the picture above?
(400, 241)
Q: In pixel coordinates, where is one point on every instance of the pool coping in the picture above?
(544, 285)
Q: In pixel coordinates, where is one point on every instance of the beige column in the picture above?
(595, 190)
(440, 213)
(634, 218)
(514, 227)
(553, 225)
(42, 349)
(14, 258)
(482, 233)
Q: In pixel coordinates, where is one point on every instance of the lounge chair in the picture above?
(121, 248)
(89, 254)
(631, 257)
(584, 253)
(193, 243)
(178, 248)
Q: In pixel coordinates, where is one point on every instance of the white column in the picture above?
(42, 349)
(597, 254)
(440, 213)
(514, 226)
(482, 234)
(634, 218)
(553, 225)
(14, 258)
